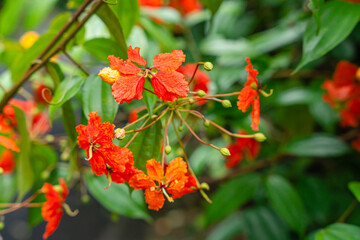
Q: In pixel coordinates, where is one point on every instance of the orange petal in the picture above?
(246, 97)
(154, 199)
(7, 161)
(124, 67)
(345, 73)
(9, 143)
(154, 170)
(134, 55)
(169, 85)
(252, 73)
(141, 181)
(128, 87)
(176, 170)
(169, 61)
(255, 114)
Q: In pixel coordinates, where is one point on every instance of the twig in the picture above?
(348, 211)
(165, 137)
(75, 63)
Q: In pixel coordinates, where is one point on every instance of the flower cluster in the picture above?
(343, 94)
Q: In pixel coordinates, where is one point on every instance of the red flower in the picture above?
(151, 3)
(9, 143)
(52, 210)
(250, 95)
(134, 113)
(201, 79)
(7, 162)
(243, 147)
(186, 6)
(157, 183)
(104, 156)
(43, 94)
(168, 84)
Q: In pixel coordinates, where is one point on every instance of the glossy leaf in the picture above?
(230, 196)
(338, 231)
(65, 91)
(338, 19)
(317, 145)
(97, 96)
(25, 174)
(286, 202)
(36, 11)
(212, 5)
(101, 48)
(117, 198)
(128, 13)
(10, 15)
(315, 7)
(355, 189)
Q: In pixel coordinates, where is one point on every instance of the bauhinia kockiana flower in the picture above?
(104, 156)
(52, 210)
(159, 182)
(128, 76)
(249, 95)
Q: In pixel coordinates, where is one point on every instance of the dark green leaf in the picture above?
(97, 96)
(212, 5)
(338, 19)
(114, 26)
(355, 189)
(36, 11)
(117, 198)
(338, 231)
(10, 15)
(227, 229)
(65, 91)
(25, 174)
(286, 202)
(128, 13)
(46, 159)
(318, 145)
(102, 48)
(231, 196)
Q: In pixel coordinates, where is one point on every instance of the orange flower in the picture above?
(186, 6)
(151, 3)
(168, 84)
(104, 156)
(157, 183)
(28, 39)
(52, 210)
(7, 162)
(250, 95)
(201, 79)
(9, 143)
(134, 113)
(243, 147)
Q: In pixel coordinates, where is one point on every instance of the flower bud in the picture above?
(2, 225)
(180, 128)
(225, 152)
(49, 138)
(226, 104)
(168, 149)
(119, 133)
(109, 75)
(208, 66)
(259, 137)
(201, 93)
(153, 117)
(206, 123)
(45, 174)
(205, 186)
(85, 198)
(1, 170)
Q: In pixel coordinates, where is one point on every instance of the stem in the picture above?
(165, 137)
(152, 123)
(196, 68)
(19, 205)
(146, 89)
(3, 88)
(61, 46)
(135, 135)
(194, 134)
(348, 211)
(76, 63)
(136, 121)
(30, 205)
(223, 94)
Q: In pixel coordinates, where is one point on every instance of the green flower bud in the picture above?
(180, 128)
(2, 225)
(225, 152)
(205, 186)
(208, 66)
(206, 123)
(119, 133)
(201, 93)
(1, 170)
(259, 137)
(85, 198)
(45, 174)
(226, 104)
(168, 149)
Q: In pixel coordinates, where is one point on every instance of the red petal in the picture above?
(154, 170)
(345, 73)
(9, 143)
(356, 144)
(134, 55)
(255, 114)
(246, 97)
(7, 161)
(169, 61)
(124, 67)
(128, 87)
(169, 85)
(141, 181)
(154, 199)
(252, 73)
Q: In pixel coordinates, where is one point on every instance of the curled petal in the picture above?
(154, 198)
(154, 170)
(255, 114)
(169, 85)
(246, 97)
(124, 67)
(134, 55)
(9, 143)
(128, 87)
(169, 61)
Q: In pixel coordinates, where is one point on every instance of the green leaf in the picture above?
(55, 73)
(128, 13)
(149, 98)
(338, 231)
(97, 96)
(117, 198)
(101, 48)
(36, 11)
(315, 7)
(114, 26)
(227, 229)
(8, 188)
(355, 189)
(294, 96)
(46, 159)
(34, 213)
(212, 5)
(10, 15)
(230, 196)
(317, 145)
(64, 92)
(25, 174)
(286, 202)
(338, 19)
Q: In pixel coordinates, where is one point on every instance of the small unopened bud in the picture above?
(191, 100)
(119, 133)
(153, 117)
(206, 123)
(205, 186)
(180, 128)
(85, 198)
(254, 86)
(1, 170)
(109, 75)
(226, 104)
(259, 137)
(45, 174)
(58, 188)
(201, 93)
(2, 225)
(208, 66)
(49, 138)
(225, 152)
(168, 149)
